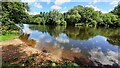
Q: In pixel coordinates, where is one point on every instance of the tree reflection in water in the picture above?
(86, 46)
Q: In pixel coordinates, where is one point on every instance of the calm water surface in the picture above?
(86, 46)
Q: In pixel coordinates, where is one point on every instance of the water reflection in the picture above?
(115, 39)
(29, 42)
(109, 58)
(86, 46)
(24, 28)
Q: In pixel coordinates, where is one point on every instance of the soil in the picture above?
(16, 52)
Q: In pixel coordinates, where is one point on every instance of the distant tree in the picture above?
(116, 10)
(72, 17)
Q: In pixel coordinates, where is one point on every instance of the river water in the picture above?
(84, 46)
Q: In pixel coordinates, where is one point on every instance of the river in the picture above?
(82, 45)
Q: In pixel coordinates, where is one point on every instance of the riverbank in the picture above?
(16, 53)
(22, 53)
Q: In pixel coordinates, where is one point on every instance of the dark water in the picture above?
(86, 46)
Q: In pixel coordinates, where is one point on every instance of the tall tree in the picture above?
(116, 10)
(14, 12)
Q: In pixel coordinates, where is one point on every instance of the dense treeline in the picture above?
(49, 18)
(17, 12)
(79, 16)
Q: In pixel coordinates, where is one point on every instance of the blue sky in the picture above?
(37, 6)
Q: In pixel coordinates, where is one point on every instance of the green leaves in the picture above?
(13, 13)
(16, 12)
(72, 17)
(116, 10)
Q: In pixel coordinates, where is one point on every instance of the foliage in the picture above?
(78, 15)
(116, 10)
(109, 20)
(16, 12)
(12, 13)
(72, 17)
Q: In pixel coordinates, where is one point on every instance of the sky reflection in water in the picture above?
(96, 48)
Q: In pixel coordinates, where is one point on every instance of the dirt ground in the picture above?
(15, 51)
(11, 42)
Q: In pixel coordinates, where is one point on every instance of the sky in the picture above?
(37, 6)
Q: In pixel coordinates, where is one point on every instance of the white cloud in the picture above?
(62, 38)
(95, 1)
(106, 11)
(63, 11)
(114, 2)
(76, 50)
(59, 2)
(104, 58)
(65, 7)
(96, 8)
(26, 29)
(28, 0)
(56, 7)
(38, 5)
(33, 13)
(48, 1)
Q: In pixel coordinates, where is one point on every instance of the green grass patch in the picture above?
(8, 36)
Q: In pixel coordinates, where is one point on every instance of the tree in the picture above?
(14, 12)
(38, 20)
(53, 17)
(116, 10)
(109, 19)
(72, 17)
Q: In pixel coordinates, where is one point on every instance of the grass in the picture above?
(43, 65)
(8, 36)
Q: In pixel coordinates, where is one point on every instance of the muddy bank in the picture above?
(11, 42)
(17, 52)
